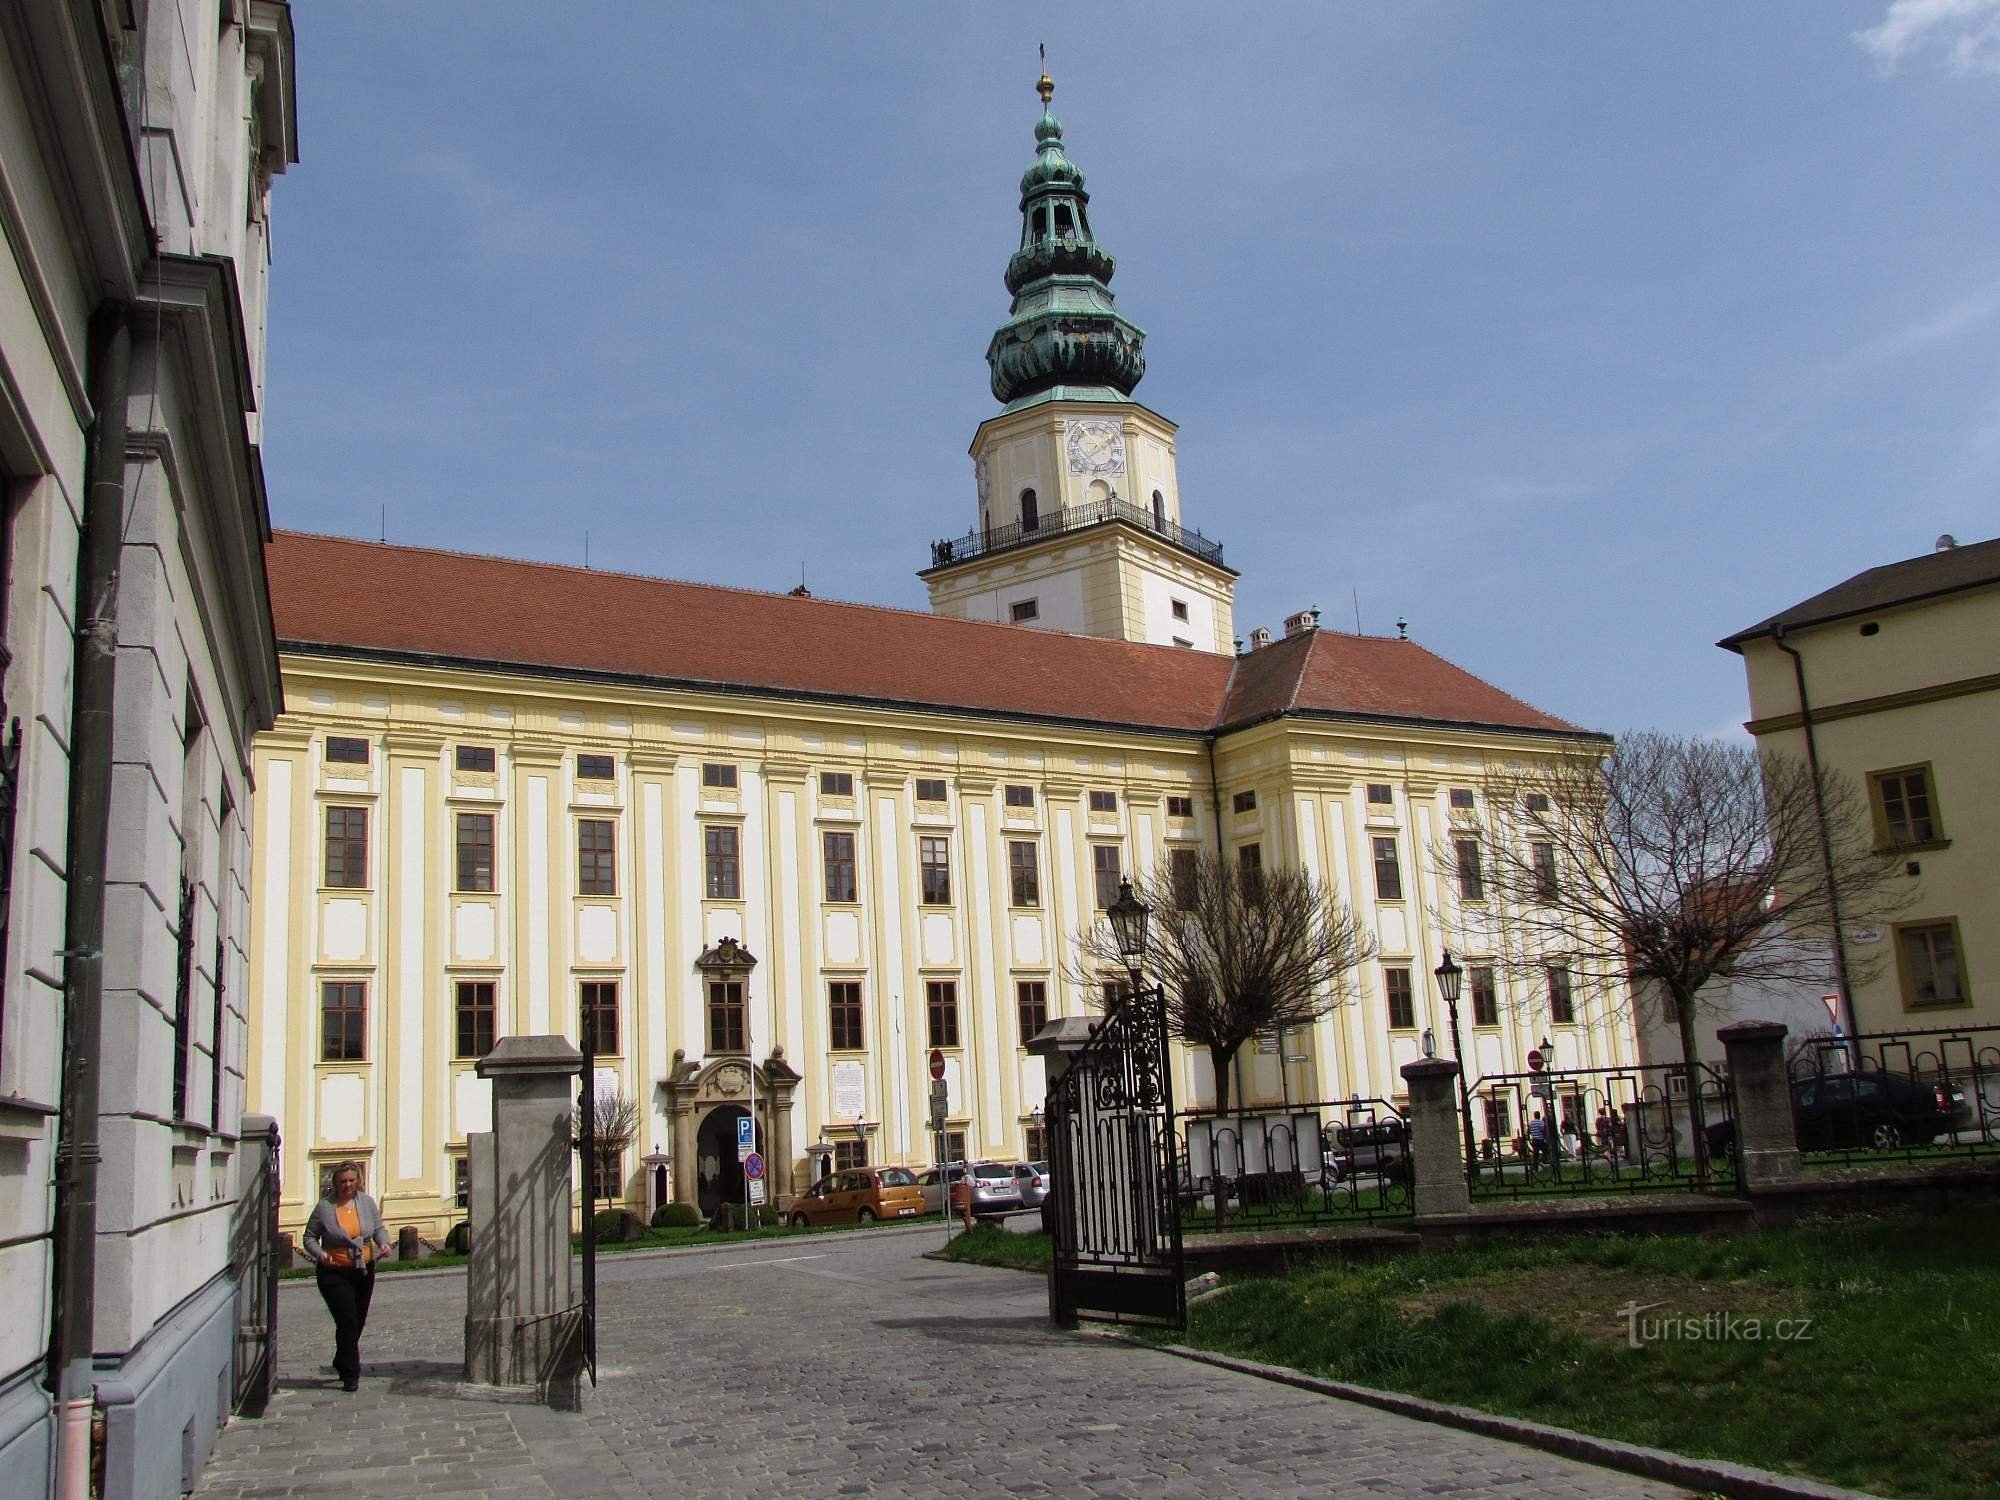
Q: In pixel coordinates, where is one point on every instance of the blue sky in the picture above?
(1581, 335)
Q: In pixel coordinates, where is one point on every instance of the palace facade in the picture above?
(775, 850)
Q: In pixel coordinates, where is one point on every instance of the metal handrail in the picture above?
(1072, 518)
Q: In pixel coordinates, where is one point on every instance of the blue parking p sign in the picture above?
(746, 1139)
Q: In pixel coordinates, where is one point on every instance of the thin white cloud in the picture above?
(1965, 32)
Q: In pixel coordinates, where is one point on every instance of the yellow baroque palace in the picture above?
(507, 796)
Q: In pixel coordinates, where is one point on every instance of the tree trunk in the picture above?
(1691, 1064)
(1220, 1059)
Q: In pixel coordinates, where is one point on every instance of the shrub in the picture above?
(676, 1216)
(615, 1225)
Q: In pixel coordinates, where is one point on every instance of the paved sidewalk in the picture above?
(846, 1365)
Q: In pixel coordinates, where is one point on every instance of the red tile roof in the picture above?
(331, 594)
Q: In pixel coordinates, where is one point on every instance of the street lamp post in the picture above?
(1449, 977)
(1128, 916)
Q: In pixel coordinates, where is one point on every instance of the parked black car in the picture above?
(1858, 1111)
(1378, 1148)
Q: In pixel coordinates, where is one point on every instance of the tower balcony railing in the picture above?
(1072, 518)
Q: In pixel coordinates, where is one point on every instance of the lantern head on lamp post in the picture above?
(1449, 977)
(1128, 916)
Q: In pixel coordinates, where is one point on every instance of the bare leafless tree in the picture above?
(1238, 953)
(1666, 860)
(614, 1120)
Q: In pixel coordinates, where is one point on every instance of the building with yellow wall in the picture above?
(506, 795)
(1890, 678)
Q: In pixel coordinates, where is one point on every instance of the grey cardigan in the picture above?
(323, 1230)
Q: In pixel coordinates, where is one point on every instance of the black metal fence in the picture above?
(1587, 1131)
(1072, 518)
(1326, 1161)
(253, 1255)
(1893, 1096)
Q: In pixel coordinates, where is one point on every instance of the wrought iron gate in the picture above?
(254, 1251)
(586, 1147)
(1115, 1165)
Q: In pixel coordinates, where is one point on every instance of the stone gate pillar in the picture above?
(1767, 1143)
(520, 1290)
(1437, 1149)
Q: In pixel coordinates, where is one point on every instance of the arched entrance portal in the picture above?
(718, 1172)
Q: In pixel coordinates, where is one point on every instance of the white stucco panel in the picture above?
(597, 934)
(343, 930)
(724, 921)
(939, 945)
(1395, 930)
(342, 1098)
(1028, 946)
(471, 1104)
(1201, 1078)
(1034, 1082)
(473, 933)
(1488, 1057)
(843, 938)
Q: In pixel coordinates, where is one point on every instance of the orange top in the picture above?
(349, 1219)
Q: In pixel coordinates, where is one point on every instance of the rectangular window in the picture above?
(1471, 878)
(954, 1140)
(836, 783)
(722, 863)
(1111, 991)
(347, 847)
(941, 1003)
(727, 1016)
(345, 751)
(1562, 1004)
(934, 863)
(1102, 801)
(1179, 607)
(850, 1156)
(1544, 856)
(1905, 811)
(343, 1020)
(597, 1002)
(843, 1008)
(1243, 802)
(1388, 871)
(718, 774)
(596, 857)
(1037, 1139)
(1250, 864)
(1020, 796)
(1929, 957)
(837, 851)
(1499, 1116)
(477, 1016)
(1402, 1002)
(1485, 996)
(1461, 798)
(1183, 873)
(475, 854)
(1023, 873)
(1031, 997)
(1381, 794)
(1104, 866)
(1023, 610)
(593, 768)
(1536, 802)
(183, 997)
(461, 1182)
(1180, 807)
(931, 789)
(474, 757)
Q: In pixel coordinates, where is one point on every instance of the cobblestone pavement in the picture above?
(846, 1365)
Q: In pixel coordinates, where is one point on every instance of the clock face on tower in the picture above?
(1096, 447)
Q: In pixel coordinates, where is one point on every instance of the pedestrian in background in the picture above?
(344, 1238)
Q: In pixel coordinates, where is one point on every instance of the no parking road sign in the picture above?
(753, 1165)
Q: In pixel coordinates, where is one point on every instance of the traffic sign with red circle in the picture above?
(937, 1063)
(753, 1165)
(1535, 1059)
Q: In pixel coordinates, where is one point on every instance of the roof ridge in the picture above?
(724, 588)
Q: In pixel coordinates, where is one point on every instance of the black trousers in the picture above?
(347, 1293)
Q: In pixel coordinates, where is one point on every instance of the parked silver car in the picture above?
(1032, 1177)
(994, 1190)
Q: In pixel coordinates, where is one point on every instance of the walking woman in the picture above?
(345, 1238)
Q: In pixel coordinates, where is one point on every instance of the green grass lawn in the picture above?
(990, 1245)
(1890, 1387)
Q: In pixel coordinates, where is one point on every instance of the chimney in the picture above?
(1300, 623)
(1260, 638)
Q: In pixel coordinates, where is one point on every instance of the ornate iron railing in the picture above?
(1323, 1162)
(1924, 1095)
(253, 1253)
(1116, 1224)
(1589, 1131)
(1072, 518)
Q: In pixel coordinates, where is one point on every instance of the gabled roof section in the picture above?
(1328, 673)
(337, 597)
(1946, 572)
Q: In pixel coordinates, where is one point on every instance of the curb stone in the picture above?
(1713, 1476)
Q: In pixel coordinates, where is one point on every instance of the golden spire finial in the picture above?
(1046, 87)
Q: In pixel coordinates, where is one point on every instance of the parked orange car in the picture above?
(861, 1195)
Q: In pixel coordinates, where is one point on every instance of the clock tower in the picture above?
(1077, 523)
